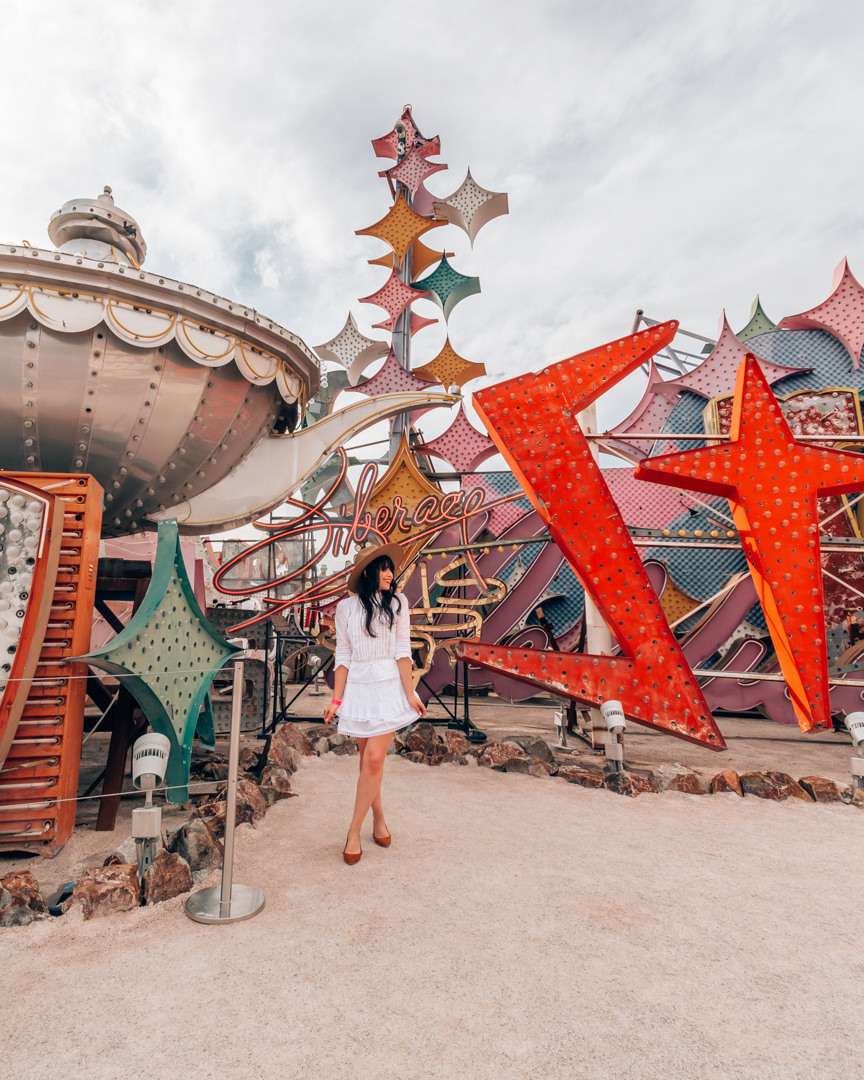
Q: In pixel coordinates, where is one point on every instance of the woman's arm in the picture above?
(414, 701)
(339, 677)
(342, 660)
(402, 627)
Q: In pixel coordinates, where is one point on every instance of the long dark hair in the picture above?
(371, 599)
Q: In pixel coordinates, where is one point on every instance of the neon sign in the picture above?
(431, 514)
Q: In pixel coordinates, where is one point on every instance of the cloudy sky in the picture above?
(675, 156)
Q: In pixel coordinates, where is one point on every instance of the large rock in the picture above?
(275, 785)
(820, 789)
(212, 767)
(728, 780)
(422, 738)
(455, 742)
(167, 876)
(347, 748)
(858, 798)
(537, 748)
(630, 784)
(495, 755)
(20, 899)
(584, 777)
(194, 843)
(319, 731)
(772, 785)
(285, 739)
(533, 766)
(249, 759)
(102, 890)
(251, 807)
(677, 777)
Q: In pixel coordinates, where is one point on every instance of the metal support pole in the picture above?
(598, 637)
(230, 902)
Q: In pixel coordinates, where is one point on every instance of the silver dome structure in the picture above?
(157, 388)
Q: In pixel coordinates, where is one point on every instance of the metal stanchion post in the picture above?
(229, 902)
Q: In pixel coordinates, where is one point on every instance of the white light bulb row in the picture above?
(20, 527)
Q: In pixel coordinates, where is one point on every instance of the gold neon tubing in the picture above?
(60, 292)
(14, 298)
(261, 353)
(206, 355)
(112, 300)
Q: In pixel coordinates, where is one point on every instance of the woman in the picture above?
(373, 692)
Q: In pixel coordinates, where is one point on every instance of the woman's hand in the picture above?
(418, 706)
(330, 712)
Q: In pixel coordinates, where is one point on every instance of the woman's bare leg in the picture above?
(372, 756)
(379, 825)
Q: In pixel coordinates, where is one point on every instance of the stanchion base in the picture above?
(204, 906)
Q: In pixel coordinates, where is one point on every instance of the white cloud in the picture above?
(678, 156)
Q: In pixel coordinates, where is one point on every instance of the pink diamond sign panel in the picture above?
(532, 419)
(773, 482)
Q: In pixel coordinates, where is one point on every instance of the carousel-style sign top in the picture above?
(157, 388)
(142, 309)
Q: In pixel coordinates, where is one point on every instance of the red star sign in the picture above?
(772, 482)
(532, 421)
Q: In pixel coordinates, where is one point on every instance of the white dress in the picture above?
(374, 700)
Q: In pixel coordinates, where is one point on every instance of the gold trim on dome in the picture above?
(149, 311)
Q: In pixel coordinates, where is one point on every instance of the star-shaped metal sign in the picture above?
(448, 286)
(532, 421)
(449, 368)
(394, 296)
(772, 482)
(413, 169)
(470, 206)
(462, 445)
(400, 227)
(392, 379)
(404, 137)
(352, 349)
(167, 656)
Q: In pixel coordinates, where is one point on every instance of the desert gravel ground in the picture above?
(517, 927)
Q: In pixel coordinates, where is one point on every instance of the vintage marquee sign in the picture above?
(340, 534)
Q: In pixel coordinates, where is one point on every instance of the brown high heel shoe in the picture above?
(382, 841)
(352, 857)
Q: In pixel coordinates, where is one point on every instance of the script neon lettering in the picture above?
(426, 510)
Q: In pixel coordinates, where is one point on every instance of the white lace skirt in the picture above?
(374, 701)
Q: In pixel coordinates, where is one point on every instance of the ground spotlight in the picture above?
(855, 725)
(616, 724)
(149, 762)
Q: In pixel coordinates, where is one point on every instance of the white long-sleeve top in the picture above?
(357, 651)
(374, 701)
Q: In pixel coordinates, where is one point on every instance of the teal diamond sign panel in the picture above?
(167, 657)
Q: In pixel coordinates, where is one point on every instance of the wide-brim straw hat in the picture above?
(362, 559)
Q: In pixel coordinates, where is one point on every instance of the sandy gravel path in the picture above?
(517, 927)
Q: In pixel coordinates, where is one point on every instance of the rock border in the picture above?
(191, 850)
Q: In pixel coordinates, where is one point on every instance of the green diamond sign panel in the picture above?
(167, 657)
